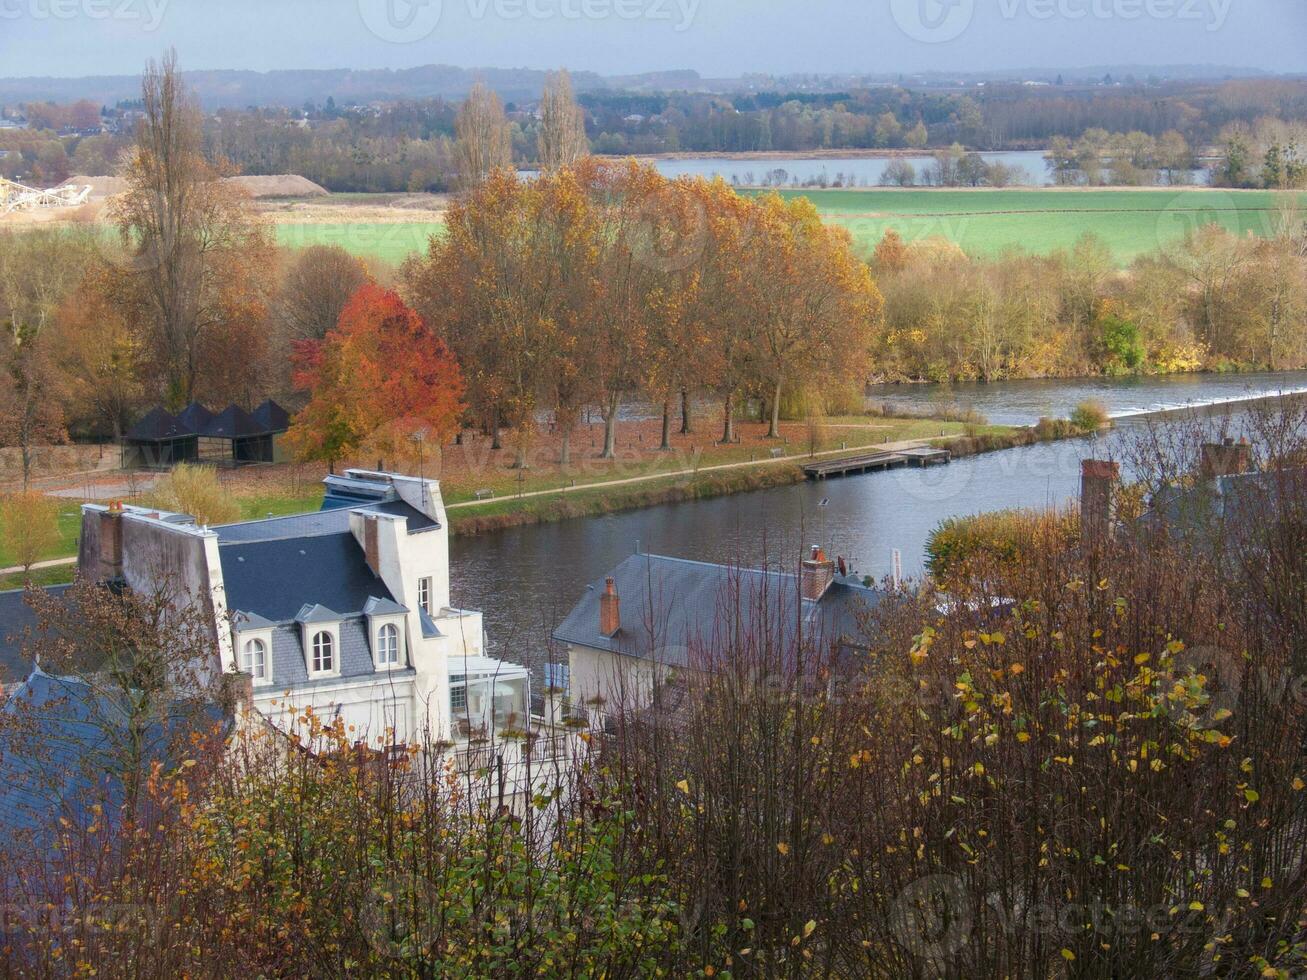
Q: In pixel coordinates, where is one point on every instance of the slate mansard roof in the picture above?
(670, 605)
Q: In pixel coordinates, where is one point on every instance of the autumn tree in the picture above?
(195, 490)
(29, 527)
(816, 304)
(197, 261)
(99, 354)
(38, 270)
(560, 139)
(489, 292)
(380, 379)
(484, 141)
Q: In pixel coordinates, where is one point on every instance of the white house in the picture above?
(345, 610)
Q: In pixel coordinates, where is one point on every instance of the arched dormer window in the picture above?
(323, 655)
(387, 646)
(254, 659)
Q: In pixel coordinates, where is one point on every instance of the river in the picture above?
(525, 579)
(856, 171)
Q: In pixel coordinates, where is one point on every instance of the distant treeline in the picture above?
(1109, 133)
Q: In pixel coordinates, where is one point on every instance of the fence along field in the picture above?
(982, 222)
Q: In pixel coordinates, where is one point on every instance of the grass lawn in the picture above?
(464, 474)
(70, 525)
(986, 222)
(982, 222)
(389, 241)
(41, 577)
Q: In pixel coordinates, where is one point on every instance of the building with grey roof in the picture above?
(344, 612)
(653, 615)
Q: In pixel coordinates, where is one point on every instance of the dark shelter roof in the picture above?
(232, 422)
(272, 417)
(194, 417)
(158, 426)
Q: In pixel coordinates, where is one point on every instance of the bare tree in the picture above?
(187, 231)
(561, 136)
(318, 284)
(484, 142)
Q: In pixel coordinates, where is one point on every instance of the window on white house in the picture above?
(254, 659)
(323, 652)
(458, 692)
(387, 645)
(424, 596)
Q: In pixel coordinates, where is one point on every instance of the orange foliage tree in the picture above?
(380, 379)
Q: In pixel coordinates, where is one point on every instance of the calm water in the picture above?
(525, 579)
(842, 171)
(1024, 402)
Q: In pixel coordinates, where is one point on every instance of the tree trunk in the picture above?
(610, 427)
(565, 452)
(774, 430)
(667, 425)
(495, 444)
(686, 427)
(728, 424)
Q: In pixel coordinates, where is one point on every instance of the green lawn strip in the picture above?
(40, 577)
(850, 432)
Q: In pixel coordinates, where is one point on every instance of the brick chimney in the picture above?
(111, 542)
(610, 609)
(1097, 478)
(371, 548)
(815, 574)
(1226, 458)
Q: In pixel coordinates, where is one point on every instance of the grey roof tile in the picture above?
(672, 608)
(16, 618)
(275, 579)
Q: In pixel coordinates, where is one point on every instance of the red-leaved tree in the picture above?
(378, 381)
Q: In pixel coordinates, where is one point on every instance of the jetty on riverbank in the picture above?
(881, 460)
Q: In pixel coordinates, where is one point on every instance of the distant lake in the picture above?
(804, 171)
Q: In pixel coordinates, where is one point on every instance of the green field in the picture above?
(987, 222)
(983, 222)
(388, 241)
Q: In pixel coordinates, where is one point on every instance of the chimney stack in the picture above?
(371, 546)
(111, 542)
(610, 609)
(1097, 478)
(815, 574)
(1226, 458)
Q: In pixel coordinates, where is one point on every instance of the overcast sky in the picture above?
(716, 37)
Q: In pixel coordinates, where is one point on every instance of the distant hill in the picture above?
(239, 89)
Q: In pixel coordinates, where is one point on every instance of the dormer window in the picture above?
(424, 596)
(252, 647)
(324, 653)
(320, 636)
(386, 627)
(388, 646)
(254, 660)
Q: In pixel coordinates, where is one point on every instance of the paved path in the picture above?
(50, 563)
(765, 461)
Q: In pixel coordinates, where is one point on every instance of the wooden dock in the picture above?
(881, 460)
